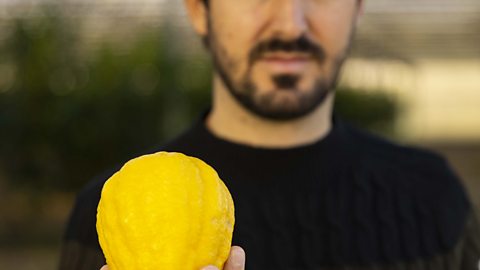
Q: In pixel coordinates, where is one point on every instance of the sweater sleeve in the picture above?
(77, 256)
(80, 248)
(471, 244)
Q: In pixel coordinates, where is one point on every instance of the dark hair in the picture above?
(206, 3)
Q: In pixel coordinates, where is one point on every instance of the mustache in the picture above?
(300, 45)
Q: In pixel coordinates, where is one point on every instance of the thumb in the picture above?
(236, 260)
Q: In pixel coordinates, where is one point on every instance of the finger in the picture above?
(105, 267)
(236, 260)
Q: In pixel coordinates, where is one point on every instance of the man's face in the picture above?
(280, 58)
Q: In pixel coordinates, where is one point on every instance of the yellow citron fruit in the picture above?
(165, 211)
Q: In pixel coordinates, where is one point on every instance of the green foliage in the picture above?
(375, 111)
(67, 113)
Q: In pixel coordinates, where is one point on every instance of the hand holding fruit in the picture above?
(236, 261)
(165, 211)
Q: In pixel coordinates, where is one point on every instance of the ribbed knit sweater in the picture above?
(347, 201)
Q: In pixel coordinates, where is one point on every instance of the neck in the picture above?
(229, 120)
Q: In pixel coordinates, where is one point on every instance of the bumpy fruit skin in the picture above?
(165, 211)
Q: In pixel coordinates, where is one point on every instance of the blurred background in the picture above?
(86, 84)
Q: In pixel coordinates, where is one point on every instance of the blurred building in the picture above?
(427, 53)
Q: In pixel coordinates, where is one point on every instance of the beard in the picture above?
(273, 105)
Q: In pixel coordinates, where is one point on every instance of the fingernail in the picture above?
(210, 267)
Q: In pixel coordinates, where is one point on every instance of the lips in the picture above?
(286, 63)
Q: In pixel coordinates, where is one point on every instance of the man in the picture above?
(310, 191)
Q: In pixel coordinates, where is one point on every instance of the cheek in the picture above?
(332, 30)
(232, 43)
(236, 28)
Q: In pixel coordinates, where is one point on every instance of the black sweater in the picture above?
(347, 201)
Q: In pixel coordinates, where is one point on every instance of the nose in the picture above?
(289, 19)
